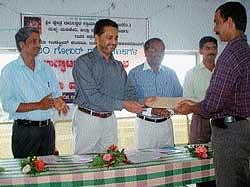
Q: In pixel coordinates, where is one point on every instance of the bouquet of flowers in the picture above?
(32, 165)
(200, 151)
(113, 157)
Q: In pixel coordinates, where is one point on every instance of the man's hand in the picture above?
(133, 106)
(149, 101)
(162, 112)
(60, 105)
(186, 107)
(46, 102)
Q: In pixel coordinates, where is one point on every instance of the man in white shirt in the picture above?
(195, 85)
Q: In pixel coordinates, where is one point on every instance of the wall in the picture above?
(180, 23)
(247, 5)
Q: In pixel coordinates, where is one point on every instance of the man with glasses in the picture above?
(153, 79)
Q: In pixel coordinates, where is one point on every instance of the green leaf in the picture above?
(98, 161)
(1, 169)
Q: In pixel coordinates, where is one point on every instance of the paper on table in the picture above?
(137, 156)
(82, 158)
(165, 150)
(166, 102)
(170, 150)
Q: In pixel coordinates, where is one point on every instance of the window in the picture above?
(5, 58)
(180, 63)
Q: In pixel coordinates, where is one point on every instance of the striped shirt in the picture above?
(229, 89)
(101, 86)
(147, 83)
(19, 84)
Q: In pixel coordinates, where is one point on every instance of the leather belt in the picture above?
(224, 122)
(27, 123)
(152, 119)
(97, 114)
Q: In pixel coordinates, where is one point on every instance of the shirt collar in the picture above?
(101, 58)
(241, 37)
(147, 66)
(22, 64)
(202, 66)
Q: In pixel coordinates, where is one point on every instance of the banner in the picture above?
(64, 38)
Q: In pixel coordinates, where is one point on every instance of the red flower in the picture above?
(201, 149)
(204, 155)
(107, 157)
(39, 165)
(113, 147)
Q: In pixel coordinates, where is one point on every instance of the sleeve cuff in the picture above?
(119, 105)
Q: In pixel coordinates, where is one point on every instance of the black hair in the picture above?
(148, 43)
(237, 12)
(100, 24)
(23, 34)
(206, 39)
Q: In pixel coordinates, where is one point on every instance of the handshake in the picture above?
(178, 105)
(157, 109)
(161, 106)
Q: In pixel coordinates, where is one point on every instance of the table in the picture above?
(173, 170)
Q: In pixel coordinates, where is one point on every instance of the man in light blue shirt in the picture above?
(29, 93)
(153, 79)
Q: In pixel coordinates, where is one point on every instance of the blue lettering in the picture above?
(45, 50)
(68, 51)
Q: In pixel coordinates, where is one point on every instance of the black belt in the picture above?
(97, 114)
(27, 123)
(152, 119)
(224, 122)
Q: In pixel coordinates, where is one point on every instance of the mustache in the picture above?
(211, 54)
(113, 46)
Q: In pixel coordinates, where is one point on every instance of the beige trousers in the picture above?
(153, 135)
(92, 134)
